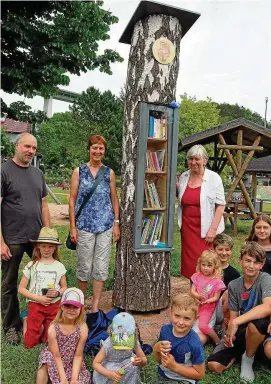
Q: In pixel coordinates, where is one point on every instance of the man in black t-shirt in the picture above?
(23, 212)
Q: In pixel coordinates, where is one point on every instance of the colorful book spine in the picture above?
(154, 226)
(151, 126)
(147, 196)
(156, 196)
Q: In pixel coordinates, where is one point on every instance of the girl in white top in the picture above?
(42, 284)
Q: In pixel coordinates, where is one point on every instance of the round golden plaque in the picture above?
(163, 50)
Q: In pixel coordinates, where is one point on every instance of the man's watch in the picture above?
(116, 221)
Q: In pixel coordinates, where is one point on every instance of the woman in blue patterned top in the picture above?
(99, 219)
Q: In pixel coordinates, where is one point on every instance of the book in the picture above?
(164, 127)
(152, 228)
(152, 201)
(156, 196)
(155, 161)
(156, 130)
(151, 126)
(160, 153)
(147, 196)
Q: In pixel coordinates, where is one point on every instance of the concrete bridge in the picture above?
(62, 95)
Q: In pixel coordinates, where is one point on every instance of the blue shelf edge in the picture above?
(153, 250)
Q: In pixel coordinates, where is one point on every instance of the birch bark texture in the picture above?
(142, 281)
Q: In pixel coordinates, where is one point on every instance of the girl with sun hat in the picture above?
(42, 284)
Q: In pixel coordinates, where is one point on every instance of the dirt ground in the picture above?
(59, 213)
(149, 323)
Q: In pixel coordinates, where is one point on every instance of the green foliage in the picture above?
(228, 112)
(62, 140)
(195, 116)
(104, 112)
(43, 41)
(20, 111)
(7, 146)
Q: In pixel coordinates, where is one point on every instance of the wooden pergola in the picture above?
(235, 143)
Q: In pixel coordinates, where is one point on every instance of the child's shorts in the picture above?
(38, 321)
(225, 355)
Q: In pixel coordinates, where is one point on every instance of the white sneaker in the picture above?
(247, 373)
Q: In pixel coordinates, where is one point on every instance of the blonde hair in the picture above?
(185, 301)
(81, 319)
(211, 257)
(223, 239)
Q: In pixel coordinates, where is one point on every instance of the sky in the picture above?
(226, 55)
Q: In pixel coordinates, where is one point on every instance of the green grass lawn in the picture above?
(267, 207)
(19, 365)
(61, 194)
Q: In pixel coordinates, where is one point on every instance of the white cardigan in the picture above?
(211, 193)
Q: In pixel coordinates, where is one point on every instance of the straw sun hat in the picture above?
(48, 235)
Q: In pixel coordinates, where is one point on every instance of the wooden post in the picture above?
(241, 183)
(242, 170)
(142, 281)
(216, 154)
(235, 217)
(239, 151)
(254, 187)
(239, 147)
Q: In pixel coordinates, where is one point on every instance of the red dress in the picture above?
(192, 244)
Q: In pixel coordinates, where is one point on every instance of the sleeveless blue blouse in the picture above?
(97, 215)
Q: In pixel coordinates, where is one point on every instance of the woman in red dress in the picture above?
(200, 210)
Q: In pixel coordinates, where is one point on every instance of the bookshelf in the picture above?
(155, 178)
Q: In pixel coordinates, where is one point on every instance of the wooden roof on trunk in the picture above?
(229, 131)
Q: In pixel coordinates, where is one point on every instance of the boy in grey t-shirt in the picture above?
(250, 308)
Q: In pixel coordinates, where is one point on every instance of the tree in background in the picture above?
(103, 111)
(20, 111)
(7, 146)
(63, 138)
(230, 112)
(195, 116)
(42, 41)
(61, 141)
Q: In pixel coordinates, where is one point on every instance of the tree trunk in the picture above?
(142, 281)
